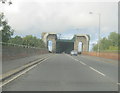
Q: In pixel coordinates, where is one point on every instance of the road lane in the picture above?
(110, 69)
(61, 73)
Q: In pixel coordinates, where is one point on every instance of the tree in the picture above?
(6, 1)
(110, 44)
(41, 44)
(6, 31)
(30, 40)
(105, 43)
(16, 40)
(113, 37)
(95, 47)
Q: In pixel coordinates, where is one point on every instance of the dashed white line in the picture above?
(77, 60)
(97, 71)
(91, 68)
(82, 63)
(118, 84)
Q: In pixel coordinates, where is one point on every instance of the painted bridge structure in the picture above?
(66, 45)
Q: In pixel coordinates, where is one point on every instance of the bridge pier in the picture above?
(85, 42)
(50, 37)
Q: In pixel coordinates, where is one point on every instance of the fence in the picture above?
(109, 55)
(15, 51)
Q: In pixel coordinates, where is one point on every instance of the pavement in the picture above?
(63, 72)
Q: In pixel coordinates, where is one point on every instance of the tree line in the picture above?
(6, 33)
(28, 40)
(110, 43)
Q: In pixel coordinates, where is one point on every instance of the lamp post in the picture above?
(98, 31)
(4, 1)
(59, 36)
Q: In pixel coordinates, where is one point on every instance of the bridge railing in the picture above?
(15, 51)
(108, 51)
(17, 45)
(115, 55)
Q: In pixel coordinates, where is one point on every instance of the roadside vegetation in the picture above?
(28, 40)
(109, 44)
(6, 33)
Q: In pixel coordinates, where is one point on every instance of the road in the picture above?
(13, 64)
(62, 72)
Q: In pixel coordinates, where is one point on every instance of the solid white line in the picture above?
(18, 75)
(21, 74)
(97, 71)
(12, 71)
(118, 84)
(2, 76)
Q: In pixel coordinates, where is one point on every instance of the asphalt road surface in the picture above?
(63, 72)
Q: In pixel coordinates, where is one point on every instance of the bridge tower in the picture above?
(76, 39)
(85, 42)
(50, 37)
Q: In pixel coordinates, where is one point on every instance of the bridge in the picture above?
(64, 45)
(27, 68)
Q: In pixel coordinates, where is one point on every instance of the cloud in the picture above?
(36, 16)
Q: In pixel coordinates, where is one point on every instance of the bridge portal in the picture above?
(64, 45)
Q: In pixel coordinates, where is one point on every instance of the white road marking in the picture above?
(77, 60)
(97, 71)
(15, 70)
(18, 75)
(90, 67)
(82, 63)
(26, 65)
(118, 84)
(2, 84)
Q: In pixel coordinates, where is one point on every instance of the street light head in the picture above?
(3, 2)
(10, 3)
(90, 12)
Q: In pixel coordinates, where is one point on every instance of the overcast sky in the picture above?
(67, 17)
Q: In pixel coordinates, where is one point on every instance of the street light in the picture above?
(99, 29)
(4, 1)
(59, 35)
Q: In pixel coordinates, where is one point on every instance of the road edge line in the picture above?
(23, 68)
